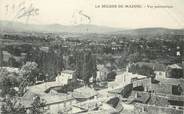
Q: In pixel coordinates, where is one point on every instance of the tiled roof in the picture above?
(10, 69)
(154, 66)
(141, 96)
(44, 86)
(174, 66)
(68, 71)
(89, 104)
(101, 112)
(27, 99)
(84, 92)
(117, 90)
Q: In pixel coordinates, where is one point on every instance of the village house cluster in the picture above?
(128, 93)
(62, 74)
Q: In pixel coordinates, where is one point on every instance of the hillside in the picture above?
(7, 26)
(91, 31)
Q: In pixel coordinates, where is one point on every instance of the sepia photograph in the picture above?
(91, 57)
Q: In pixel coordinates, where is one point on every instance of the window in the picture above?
(176, 90)
(177, 103)
(138, 88)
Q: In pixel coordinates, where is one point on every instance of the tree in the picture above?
(94, 68)
(135, 57)
(12, 62)
(111, 76)
(1, 56)
(37, 105)
(85, 65)
(12, 106)
(49, 60)
(7, 82)
(29, 71)
(142, 70)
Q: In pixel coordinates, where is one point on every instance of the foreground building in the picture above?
(53, 104)
(158, 96)
(66, 77)
(84, 93)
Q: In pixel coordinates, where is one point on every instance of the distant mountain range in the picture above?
(7, 26)
(151, 31)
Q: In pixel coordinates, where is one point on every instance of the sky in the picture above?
(74, 12)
